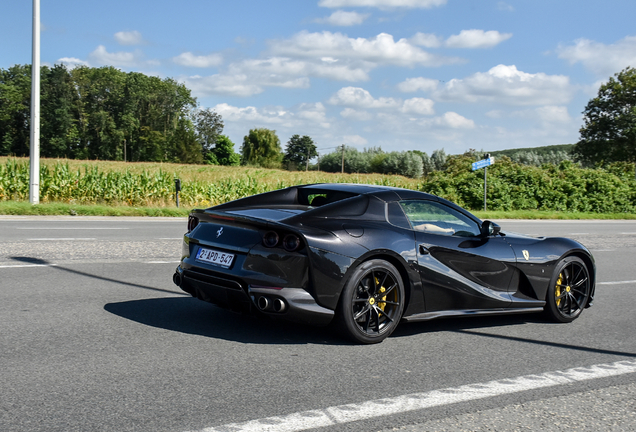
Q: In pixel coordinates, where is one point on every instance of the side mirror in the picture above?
(489, 229)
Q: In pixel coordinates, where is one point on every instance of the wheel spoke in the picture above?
(567, 275)
(578, 274)
(360, 300)
(388, 290)
(582, 293)
(368, 323)
(383, 313)
(579, 283)
(362, 312)
(375, 284)
(389, 302)
(386, 275)
(572, 298)
(377, 321)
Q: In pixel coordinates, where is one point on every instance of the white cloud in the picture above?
(411, 85)
(507, 85)
(427, 40)
(454, 121)
(358, 115)
(603, 60)
(128, 38)
(190, 60)
(313, 112)
(269, 116)
(379, 50)
(357, 97)
(285, 67)
(418, 106)
(477, 39)
(119, 59)
(344, 19)
(71, 62)
(355, 140)
(383, 4)
(234, 85)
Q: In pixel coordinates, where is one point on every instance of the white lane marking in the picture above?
(629, 233)
(162, 262)
(73, 229)
(578, 233)
(61, 239)
(354, 412)
(602, 250)
(169, 238)
(617, 282)
(26, 265)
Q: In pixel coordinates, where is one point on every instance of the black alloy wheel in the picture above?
(569, 290)
(372, 302)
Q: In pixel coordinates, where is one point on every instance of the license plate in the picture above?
(215, 257)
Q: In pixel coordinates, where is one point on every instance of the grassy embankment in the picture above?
(92, 188)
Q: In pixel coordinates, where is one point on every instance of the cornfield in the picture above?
(151, 184)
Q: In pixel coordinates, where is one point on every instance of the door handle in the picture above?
(424, 250)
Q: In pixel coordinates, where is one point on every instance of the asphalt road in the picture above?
(94, 336)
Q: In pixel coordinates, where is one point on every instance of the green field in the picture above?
(72, 187)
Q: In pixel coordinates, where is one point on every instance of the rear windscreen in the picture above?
(317, 197)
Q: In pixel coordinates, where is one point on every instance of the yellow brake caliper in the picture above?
(381, 305)
(557, 291)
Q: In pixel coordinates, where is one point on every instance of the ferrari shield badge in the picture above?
(526, 254)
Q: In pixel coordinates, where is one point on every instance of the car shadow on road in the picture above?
(192, 316)
(478, 326)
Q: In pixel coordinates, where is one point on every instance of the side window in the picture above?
(436, 218)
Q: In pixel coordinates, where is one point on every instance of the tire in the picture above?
(569, 290)
(372, 302)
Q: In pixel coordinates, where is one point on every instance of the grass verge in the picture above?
(63, 209)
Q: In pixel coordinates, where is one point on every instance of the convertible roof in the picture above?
(386, 193)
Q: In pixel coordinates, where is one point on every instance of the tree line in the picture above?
(104, 113)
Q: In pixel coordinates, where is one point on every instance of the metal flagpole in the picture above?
(34, 184)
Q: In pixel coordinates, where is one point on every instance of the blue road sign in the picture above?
(483, 163)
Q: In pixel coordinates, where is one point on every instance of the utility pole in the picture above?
(124, 149)
(34, 153)
(307, 166)
(343, 148)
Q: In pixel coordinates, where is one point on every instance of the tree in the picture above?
(609, 132)
(223, 153)
(299, 151)
(208, 125)
(261, 147)
(15, 111)
(438, 159)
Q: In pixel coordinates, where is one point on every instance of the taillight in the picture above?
(291, 242)
(192, 223)
(270, 239)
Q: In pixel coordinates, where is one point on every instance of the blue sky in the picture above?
(398, 74)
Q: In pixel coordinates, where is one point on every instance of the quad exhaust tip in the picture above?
(279, 306)
(276, 305)
(176, 278)
(263, 303)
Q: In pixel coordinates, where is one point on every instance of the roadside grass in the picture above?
(554, 215)
(23, 208)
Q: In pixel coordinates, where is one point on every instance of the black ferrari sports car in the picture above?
(367, 257)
